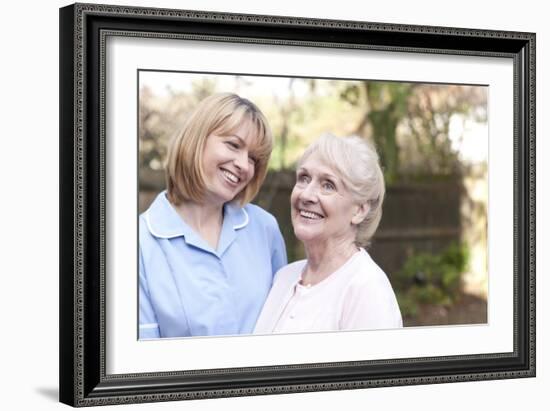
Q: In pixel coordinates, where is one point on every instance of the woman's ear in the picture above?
(360, 214)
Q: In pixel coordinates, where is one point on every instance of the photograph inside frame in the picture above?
(271, 204)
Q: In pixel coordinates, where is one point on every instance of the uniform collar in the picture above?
(164, 222)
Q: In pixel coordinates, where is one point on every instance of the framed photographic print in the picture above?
(450, 116)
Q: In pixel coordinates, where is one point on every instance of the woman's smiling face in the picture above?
(228, 163)
(322, 208)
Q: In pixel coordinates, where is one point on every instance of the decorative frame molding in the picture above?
(83, 32)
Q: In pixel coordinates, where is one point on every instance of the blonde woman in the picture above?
(206, 256)
(336, 205)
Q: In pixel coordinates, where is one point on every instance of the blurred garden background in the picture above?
(433, 144)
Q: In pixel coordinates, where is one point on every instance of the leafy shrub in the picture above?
(431, 279)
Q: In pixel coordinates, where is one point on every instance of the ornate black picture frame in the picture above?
(83, 219)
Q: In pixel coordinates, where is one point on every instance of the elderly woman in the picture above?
(206, 256)
(336, 206)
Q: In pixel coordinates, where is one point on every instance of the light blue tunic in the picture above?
(186, 288)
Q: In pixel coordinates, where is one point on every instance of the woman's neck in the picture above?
(205, 219)
(323, 259)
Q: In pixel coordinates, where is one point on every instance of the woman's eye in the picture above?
(253, 160)
(232, 145)
(328, 186)
(302, 180)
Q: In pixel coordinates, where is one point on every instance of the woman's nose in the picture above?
(241, 161)
(309, 193)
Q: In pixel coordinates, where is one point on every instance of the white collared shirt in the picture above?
(357, 296)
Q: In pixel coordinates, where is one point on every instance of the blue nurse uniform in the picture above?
(187, 288)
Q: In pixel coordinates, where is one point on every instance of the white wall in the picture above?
(29, 206)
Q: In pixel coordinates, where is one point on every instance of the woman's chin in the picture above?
(224, 193)
(306, 235)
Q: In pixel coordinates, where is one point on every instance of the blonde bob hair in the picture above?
(221, 114)
(356, 162)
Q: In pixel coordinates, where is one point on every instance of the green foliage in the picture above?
(431, 279)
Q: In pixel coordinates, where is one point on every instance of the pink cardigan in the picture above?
(357, 296)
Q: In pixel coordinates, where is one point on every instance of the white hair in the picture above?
(357, 163)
